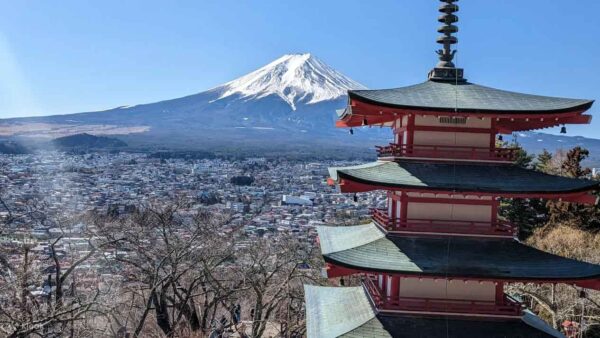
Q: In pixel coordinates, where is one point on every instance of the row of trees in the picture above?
(566, 229)
(162, 271)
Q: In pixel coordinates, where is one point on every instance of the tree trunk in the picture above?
(162, 313)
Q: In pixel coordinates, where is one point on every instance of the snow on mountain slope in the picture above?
(294, 78)
(294, 96)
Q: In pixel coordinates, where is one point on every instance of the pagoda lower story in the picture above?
(438, 257)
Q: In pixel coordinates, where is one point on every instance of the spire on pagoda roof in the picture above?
(445, 70)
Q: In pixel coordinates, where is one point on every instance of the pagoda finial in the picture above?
(445, 69)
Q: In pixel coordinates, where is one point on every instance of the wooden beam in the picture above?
(348, 186)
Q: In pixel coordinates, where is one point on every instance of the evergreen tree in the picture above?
(544, 162)
(571, 167)
(574, 214)
(527, 213)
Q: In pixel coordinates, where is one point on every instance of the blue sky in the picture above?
(73, 56)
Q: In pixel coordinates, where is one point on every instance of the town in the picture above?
(261, 196)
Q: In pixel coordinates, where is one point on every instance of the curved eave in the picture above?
(454, 257)
(588, 282)
(583, 106)
(522, 115)
(465, 178)
(347, 312)
(332, 312)
(402, 326)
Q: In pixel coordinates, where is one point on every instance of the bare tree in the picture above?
(274, 270)
(559, 302)
(173, 262)
(37, 287)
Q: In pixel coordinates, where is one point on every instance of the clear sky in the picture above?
(73, 56)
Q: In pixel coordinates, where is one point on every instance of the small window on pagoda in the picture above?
(452, 120)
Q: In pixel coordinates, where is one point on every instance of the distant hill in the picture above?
(535, 142)
(87, 141)
(288, 104)
(12, 148)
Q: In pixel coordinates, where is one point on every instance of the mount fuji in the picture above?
(287, 105)
(290, 101)
(295, 78)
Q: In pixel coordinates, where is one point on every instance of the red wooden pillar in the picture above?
(499, 293)
(395, 289)
(495, 205)
(410, 130)
(403, 208)
(493, 135)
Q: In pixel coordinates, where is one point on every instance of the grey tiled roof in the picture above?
(460, 176)
(454, 256)
(398, 326)
(332, 312)
(335, 239)
(467, 97)
(347, 312)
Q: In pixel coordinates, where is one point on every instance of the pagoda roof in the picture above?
(347, 312)
(456, 176)
(448, 96)
(366, 248)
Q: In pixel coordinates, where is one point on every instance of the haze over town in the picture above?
(242, 169)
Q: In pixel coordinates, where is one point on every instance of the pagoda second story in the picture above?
(436, 258)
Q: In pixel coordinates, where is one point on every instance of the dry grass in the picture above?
(568, 241)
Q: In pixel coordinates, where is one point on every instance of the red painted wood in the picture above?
(335, 271)
(495, 205)
(380, 114)
(493, 135)
(449, 201)
(395, 286)
(404, 207)
(347, 185)
(453, 129)
(499, 292)
(436, 152)
(443, 227)
(506, 306)
(410, 131)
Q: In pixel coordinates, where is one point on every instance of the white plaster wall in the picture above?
(434, 121)
(454, 196)
(442, 211)
(442, 289)
(440, 138)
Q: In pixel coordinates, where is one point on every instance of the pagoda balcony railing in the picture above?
(498, 228)
(448, 152)
(507, 307)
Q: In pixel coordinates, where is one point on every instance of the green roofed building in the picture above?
(436, 260)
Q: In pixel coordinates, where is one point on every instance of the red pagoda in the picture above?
(435, 261)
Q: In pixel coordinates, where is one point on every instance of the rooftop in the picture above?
(467, 97)
(457, 176)
(366, 248)
(347, 312)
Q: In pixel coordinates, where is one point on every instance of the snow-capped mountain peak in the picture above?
(294, 78)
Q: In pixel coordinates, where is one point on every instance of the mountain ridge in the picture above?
(288, 103)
